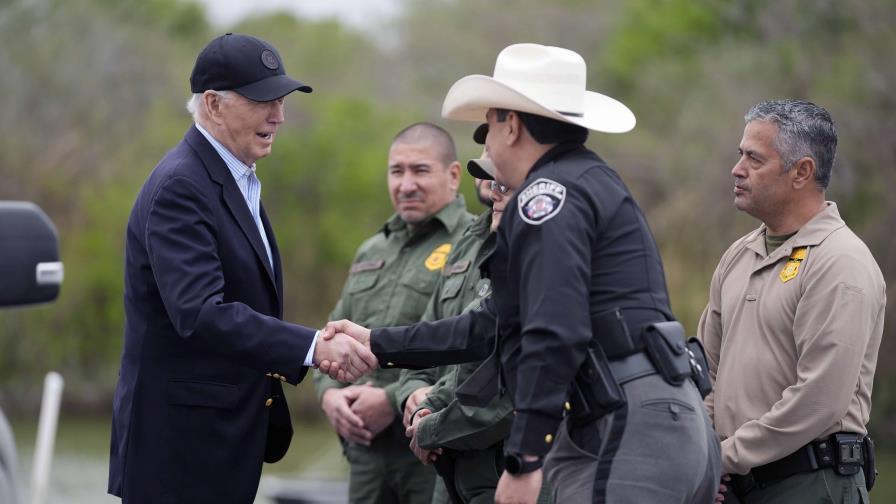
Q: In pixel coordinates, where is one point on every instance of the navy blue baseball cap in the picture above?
(481, 168)
(480, 133)
(245, 64)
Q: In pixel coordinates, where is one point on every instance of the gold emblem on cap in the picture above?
(437, 257)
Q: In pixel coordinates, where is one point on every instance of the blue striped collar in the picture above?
(237, 168)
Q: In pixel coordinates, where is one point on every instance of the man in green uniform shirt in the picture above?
(464, 443)
(390, 282)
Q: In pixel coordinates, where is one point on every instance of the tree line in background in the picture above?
(94, 94)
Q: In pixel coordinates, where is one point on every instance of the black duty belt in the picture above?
(632, 367)
(620, 331)
(844, 452)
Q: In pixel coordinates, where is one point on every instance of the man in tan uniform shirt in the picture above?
(794, 321)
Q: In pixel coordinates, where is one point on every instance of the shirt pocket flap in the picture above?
(362, 281)
(452, 286)
(202, 394)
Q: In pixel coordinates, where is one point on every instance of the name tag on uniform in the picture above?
(373, 264)
(458, 267)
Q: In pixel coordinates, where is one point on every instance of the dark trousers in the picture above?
(387, 472)
(816, 487)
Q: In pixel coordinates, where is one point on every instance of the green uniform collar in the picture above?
(450, 216)
(482, 225)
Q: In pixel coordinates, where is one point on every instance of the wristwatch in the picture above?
(515, 464)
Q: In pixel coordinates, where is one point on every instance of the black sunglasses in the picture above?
(495, 186)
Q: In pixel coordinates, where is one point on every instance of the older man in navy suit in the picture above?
(199, 403)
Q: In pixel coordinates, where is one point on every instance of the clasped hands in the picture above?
(343, 351)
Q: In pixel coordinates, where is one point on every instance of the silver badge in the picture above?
(540, 201)
(484, 287)
(269, 59)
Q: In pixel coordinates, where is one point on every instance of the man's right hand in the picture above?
(360, 333)
(336, 403)
(342, 357)
(337, 329)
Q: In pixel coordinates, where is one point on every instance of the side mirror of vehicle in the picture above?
(30, 269)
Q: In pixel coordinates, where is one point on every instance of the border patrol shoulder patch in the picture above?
(540, 201)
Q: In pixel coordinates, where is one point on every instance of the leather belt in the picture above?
(619, 331)
(817, 455)
(632, 367)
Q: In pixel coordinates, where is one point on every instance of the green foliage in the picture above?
(660, 29)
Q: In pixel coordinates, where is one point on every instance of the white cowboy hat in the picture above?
(542, 80)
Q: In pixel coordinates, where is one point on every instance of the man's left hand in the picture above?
(373, 406)
(724, 486)
(412, 403)
(522, 489)
(425, 456)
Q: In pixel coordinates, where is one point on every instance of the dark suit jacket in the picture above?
(194, 412)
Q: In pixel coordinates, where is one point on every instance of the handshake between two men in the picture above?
(343, 351)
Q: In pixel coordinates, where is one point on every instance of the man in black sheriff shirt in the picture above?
(587, 346)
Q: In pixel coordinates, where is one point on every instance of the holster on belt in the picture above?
(595, 391)
(666, 347)
(699, 367)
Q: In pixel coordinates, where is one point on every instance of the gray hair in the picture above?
(194, 104)
(804, 130)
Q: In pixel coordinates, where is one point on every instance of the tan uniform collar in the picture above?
(811, 234)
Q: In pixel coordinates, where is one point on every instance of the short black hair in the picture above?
(427, 132)
(545, 130)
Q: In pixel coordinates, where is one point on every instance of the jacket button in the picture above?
(549, 438)
(566, 406)
(269, 402)
(390, 364)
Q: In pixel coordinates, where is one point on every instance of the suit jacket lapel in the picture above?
(275, 255)
(219, 172)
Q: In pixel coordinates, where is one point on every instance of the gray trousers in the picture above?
(659, 448)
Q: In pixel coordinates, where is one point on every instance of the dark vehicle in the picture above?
(30, 273)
